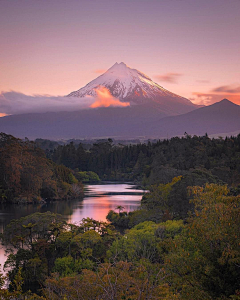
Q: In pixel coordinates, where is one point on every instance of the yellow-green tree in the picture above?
(205, 259)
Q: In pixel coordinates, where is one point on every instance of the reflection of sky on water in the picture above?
(94, 207)
(98, 207)
(112, 188)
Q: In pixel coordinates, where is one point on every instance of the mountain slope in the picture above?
(220, 117)
(130, 85)
(124, 122)
(99, 122)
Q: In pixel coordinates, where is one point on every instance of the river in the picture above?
(97, 202)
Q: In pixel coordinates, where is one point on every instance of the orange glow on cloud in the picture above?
(105, 99)
(2, 115)
(210, 98)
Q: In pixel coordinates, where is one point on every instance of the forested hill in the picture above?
(218, 159)
(198, 160)
(172, 249)
(27, 176)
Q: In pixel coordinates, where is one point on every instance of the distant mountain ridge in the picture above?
(124, 122)
(133, 86)
(220, 117)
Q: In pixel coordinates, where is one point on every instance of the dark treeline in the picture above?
(198, 160)
(155, 162)
(26, 175)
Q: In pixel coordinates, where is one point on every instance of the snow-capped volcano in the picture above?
(131, 85)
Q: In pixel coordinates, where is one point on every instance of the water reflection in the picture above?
(98, 208)
(97, 203)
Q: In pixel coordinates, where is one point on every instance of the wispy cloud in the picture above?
(168, 77)
(229, 89)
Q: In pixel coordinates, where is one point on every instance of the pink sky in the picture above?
(55, 47)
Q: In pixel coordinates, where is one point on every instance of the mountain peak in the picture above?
(225, 102)
(120, 64)
(131, 85)
(118, 67)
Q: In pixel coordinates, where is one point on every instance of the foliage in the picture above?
(156, 206)
(182, 243)
(42, 243)
(88, 177)
(158, 199)
(26, 175)
(120, 280)
(205, 258)
(171, 259)
(158, 162)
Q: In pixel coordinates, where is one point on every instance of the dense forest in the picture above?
(198, 160)
(27, 176)
(182, 243)
(155, 162)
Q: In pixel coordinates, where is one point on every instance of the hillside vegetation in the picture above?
(26, 175)
(182, 243)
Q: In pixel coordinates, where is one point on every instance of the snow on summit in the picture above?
(131, 85)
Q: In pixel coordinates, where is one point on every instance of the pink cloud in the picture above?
(210, 98)
(105, 99)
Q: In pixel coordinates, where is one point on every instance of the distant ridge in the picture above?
(220, 117)
(124, 122)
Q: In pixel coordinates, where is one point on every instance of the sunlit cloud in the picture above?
(168, 77)
(100, 71)
(210, 98)
(12, 103)
(105, 99)
(19, 103)
(230, 92)
(2, 115)
(202, 99)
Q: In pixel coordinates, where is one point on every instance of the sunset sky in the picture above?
(191, 47)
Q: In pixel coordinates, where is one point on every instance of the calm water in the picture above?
(96, 204)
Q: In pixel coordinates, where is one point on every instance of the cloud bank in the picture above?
(12, 103)
(19, 103)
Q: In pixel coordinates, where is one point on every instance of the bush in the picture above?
(87, 176)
